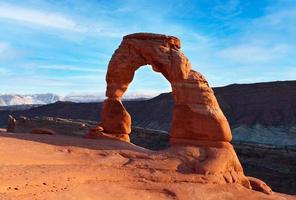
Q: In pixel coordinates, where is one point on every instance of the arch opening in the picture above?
(145, 106)
(146, 84)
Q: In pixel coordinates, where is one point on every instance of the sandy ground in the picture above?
(59, 167)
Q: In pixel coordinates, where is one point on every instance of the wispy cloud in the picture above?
(71, 68)
(39, 84)
(69, 44)
(38, 17)
(62, 22)
(227, 9)
(253, 53)
(279, 18)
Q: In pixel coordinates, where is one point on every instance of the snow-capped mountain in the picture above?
(17, 99)
(79, 98)
(30, 99)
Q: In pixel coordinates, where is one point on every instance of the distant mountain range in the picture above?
(264, 112)
(41, 99)
(16, 99)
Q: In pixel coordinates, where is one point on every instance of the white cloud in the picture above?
(62, 22)
(283, 18)
(61, 85)
(253, 53)
(72, 68)
(228, 9)
(49, 19)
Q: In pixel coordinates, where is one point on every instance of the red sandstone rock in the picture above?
(259, 185)
(197, 117)
(98, 132)
(94, 132)
(115, 118)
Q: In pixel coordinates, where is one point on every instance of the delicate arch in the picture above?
(196, 115)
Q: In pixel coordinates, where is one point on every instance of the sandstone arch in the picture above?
(197, 118)
(196, 115)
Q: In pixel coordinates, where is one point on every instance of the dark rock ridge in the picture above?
(269, 104)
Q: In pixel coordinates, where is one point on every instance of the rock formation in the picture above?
(197, 118)
(10, 124)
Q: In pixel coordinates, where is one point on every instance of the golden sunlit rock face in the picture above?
(197, 118)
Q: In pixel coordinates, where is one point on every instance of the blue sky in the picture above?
(64, 46)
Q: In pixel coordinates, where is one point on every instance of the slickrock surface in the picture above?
(60, 167)
(280, 176)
